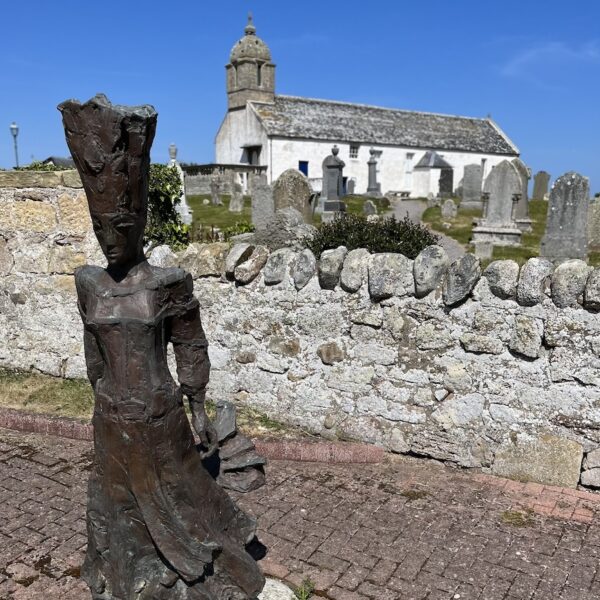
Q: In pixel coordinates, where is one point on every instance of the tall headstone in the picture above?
(292, 189)
(373, 188)
(369, 208)
(351, 185)
(182, 207)
(501, 192)
(215, 198)
(333, 186)
(540, 185)
(471, 187)
(446, 182)
(566, 226)
(522, 207)
(263, 205)
(236, 203)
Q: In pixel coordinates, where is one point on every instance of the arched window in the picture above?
(259, 75)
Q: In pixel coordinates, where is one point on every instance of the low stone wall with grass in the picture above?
(499, 369)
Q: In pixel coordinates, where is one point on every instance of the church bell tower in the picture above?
(250, 72)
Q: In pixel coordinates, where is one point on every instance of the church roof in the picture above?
(250, 46)
(307, 118)
(432, 160)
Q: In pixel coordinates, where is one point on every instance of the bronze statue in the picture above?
(159, 525)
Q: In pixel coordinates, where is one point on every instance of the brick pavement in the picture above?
(404, 529)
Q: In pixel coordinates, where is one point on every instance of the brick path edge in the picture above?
(292, 450)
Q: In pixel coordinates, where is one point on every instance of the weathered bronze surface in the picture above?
(159, 525)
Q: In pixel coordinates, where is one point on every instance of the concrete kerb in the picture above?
(291, 450)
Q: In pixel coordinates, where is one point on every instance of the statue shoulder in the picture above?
(86, 278)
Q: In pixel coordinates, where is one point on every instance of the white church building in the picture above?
(415, 150)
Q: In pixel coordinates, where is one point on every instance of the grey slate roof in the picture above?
(306, 118)
(432, 160)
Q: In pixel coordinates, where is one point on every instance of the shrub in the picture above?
(387, 235)
(38, 165)
(164, 223)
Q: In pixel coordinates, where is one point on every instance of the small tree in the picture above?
(164, 223)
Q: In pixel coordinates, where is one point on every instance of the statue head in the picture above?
(110, 146)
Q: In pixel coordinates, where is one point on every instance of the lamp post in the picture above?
(14, 129)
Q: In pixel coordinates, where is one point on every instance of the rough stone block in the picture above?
(71, 179)
(330, 353)
(355, 270)
(460, 280)
(204, 260)
(533, 281)
(237, 255)
(6, 258)
(502, 276)
(546, 459)
(527, 336)
(249, 270)
(390, 275)
(568, 283)
(304, 268)
(65, 259)
(29, 215)
(73, 214)
(278, 266)
(482, 344)
(30, 179)
(429, 269)
(163, 256)
(330, 267)
(591, 295)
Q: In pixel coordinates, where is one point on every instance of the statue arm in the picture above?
(191, 355)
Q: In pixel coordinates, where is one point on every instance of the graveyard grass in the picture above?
(461, 228)
(73, 398)
(210, 215)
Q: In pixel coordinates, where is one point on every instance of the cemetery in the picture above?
(363, 365)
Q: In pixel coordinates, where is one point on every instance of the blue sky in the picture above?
(535, 67)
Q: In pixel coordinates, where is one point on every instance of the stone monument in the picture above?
(215, 188)
(160, 526)
(522, 208)
(566, 226)
(263, 205)
(330, 202)
(236, 201)
(292, 189)
(182, 206)
(540, 185)
(471, 187)
(501, 191)
(373, 188)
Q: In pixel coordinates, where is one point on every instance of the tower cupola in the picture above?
(250, 72)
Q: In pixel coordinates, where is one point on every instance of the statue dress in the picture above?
(156, 518)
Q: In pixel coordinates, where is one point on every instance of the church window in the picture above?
(483, 161)
(259, 75)
(353, 150)
(303, 167)
(408, 165)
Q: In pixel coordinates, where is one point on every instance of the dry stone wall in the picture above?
(497, 369)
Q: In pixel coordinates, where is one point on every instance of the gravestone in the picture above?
(182, 206)
(449, 209)
(566, 226)
(293, 190)
(501, 191)
(330, 203)
(540, 185)
(446, 183)
(471, 187)
(263, 205)
(373, 188)
(351, 186)
(215, 198)
(369, 208)
(522, 207)
(236, 204)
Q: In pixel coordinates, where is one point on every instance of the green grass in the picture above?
(354, 204)
(74, 398)
(461, 226)
(305, 589)
(217, 216)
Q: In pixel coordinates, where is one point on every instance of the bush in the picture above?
(38, 165)
(387, 235)
(164, 223)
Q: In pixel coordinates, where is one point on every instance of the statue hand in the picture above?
(205, 429)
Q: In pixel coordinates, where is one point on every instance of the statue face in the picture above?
(120, 236)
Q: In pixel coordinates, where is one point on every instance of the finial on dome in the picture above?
(250, 29)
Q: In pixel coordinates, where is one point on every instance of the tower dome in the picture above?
(250, 72)
(250, 46)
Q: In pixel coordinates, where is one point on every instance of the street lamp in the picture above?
(14, 129)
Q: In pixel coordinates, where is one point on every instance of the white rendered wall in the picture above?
(239, 128)
(286, 154)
